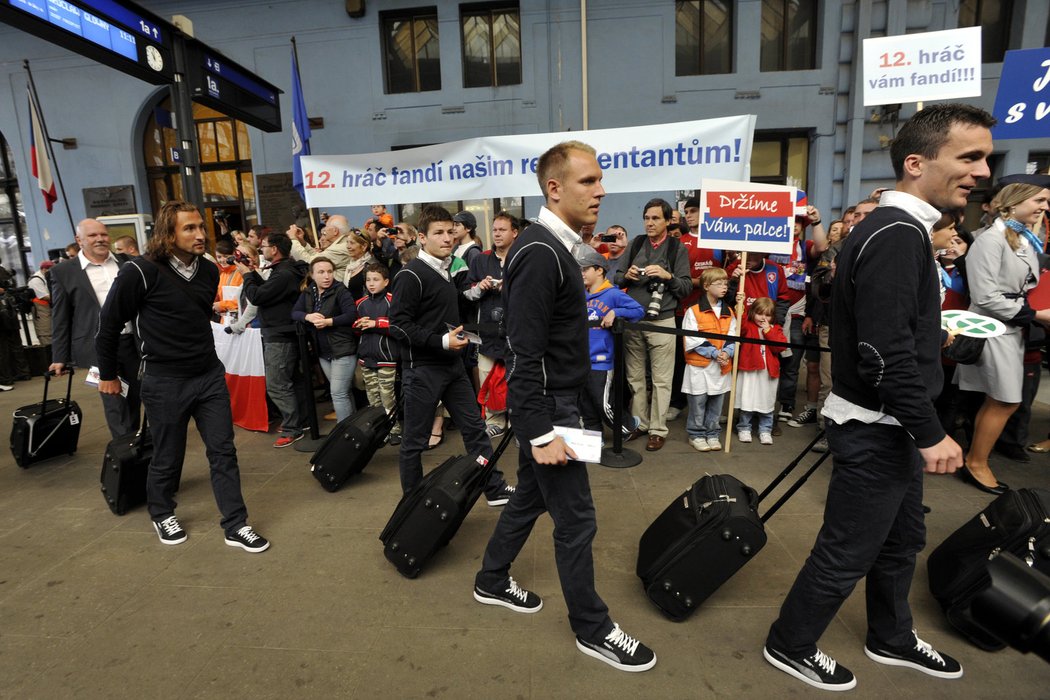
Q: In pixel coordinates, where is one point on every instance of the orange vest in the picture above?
(707, 321)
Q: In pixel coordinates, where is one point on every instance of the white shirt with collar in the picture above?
(101, 276)
(440, 265)
(837, 408)
(185, 271)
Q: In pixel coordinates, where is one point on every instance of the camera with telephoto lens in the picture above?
(238, 257)
(656, 290)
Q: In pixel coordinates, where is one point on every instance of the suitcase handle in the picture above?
(47, 382)
(798, 483)
(508, 435)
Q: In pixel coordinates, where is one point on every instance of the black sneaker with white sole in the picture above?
(818, 669)
(922, 657)
(169, 530)
(619, 650)
(513, 597)
(247, 539)
(501, 497)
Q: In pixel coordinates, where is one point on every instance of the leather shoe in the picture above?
(634, 435)
(1014, 452)
(655, 443)
(966, 475)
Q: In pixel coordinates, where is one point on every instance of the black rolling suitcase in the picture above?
(124, 469)
(46, 429)
(1017, 522)
(705, 536)
(429, 515)
(351, 445)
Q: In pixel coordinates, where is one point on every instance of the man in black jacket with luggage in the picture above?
(548, 367)
(881, 424)
(275, 297)
(170, 291)
(424, 317)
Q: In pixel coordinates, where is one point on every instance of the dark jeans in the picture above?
(423, 388)
(170, 403)
(873, 528)
(678, 399)
(283, 375)
(565, 492)
(789, 366)
(122, 413)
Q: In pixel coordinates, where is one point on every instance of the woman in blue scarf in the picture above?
(1001, 266)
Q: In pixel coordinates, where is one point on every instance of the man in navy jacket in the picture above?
(548, 367)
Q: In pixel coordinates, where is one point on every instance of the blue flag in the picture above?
(300, 129)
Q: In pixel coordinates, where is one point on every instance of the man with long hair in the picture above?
(170, 292)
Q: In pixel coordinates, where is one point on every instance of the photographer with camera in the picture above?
(655, 272)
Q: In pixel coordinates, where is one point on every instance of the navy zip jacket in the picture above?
(546, 313)
(376, 348)
(886, 322)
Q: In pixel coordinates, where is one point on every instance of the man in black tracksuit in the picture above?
(882, 427)
(424, 316)
(170, 292)
(548, 365)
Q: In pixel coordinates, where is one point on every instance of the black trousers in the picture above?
(873, 528)
(170, 403)
(123, 412)
(424, 387)
(564, 491)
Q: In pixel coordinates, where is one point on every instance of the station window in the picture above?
(703, 39)
(491, 45)
(781, 159)
(225, 165)
(13, 239)
(411, 56)
(789, 35)
(994, 17)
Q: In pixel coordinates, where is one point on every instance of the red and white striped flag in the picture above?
(38, 155)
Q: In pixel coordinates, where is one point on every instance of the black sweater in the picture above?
(424, 304)
(886, 320)
(546, 317)
(173, 318)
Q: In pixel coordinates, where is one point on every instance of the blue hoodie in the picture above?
(608, 298)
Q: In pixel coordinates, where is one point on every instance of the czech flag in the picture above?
(38, 156)
(801, 202)
(241, 355)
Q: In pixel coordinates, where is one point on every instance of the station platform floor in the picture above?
(93, 606)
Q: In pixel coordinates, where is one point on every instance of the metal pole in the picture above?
(736, 355)
(47, 141)
(186, 128)
(312, 212)
(583, 64)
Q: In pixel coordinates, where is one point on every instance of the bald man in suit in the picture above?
(78, 289)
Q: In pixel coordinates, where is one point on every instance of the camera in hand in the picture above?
(238, 257)
(607, 238)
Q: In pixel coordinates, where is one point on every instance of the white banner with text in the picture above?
(920, 67)
(634, 159)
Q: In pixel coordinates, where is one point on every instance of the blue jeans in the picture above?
(704, 412)
(765, 422)
(340, 373)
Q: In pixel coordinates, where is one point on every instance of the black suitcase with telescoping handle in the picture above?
(428, 516)
(351, 445)
(124, 469)
(1017, 522)
(705, 536)
(46, 429)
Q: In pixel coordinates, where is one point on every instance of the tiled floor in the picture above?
(93, 606)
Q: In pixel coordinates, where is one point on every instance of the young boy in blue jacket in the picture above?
(605, 302)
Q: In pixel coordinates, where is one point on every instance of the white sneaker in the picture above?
(765, 438)
(6, 387)
(713, 444)
(743, 436)
(699, 444)
(672, 413)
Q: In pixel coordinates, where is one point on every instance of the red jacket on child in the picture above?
(751, 356)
